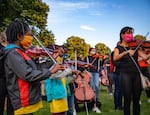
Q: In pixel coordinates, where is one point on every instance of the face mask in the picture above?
(128, 37)
(27, 41)
(92, 52)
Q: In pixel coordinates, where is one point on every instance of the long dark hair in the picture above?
(15, 29)
(124, 30)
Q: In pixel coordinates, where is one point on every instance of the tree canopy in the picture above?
(140, 37)
(102, 49)
(34, 12)
(75, 43)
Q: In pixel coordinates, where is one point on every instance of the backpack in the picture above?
(1, 61)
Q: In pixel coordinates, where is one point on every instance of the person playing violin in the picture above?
(87, 93)
(22, 76)
(130, 77)
(94, 70)
(144, 69)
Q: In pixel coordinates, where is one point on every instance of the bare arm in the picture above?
(143, 55)
(117, 55)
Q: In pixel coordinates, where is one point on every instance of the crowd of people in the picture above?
(25, 80)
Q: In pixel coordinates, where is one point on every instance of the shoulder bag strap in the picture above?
(134, 62)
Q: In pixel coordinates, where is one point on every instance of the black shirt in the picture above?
(126, 64)
(95, 64)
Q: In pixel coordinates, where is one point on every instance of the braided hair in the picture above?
(15, 29)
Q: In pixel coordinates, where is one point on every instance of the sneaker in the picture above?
(96, 110)
(148, 100)
(74, 112)
(140, 102)
(110, 93)
(119, 108)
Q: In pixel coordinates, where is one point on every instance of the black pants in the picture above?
(111, 82)
(3, 95)
(131, 86)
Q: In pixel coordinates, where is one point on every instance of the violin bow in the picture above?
(44, 49)
(75, 59)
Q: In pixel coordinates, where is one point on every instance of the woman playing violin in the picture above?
(130, 77)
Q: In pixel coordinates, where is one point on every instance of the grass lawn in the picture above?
(107, 105)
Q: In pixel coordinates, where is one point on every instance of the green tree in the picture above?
(75, 43)
(34, 12)
(8, 12)
(47, 37)
(140, 37)
(102, 49)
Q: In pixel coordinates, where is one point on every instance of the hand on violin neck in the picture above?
(128, 52)
(88, 65)
(76, 72)
(131, 52)
(57, 67)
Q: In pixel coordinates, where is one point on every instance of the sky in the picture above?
(97, 21)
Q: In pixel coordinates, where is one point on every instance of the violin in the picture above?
(84, 92)
(36, 52)
(50, 56)
(79, 63)
(142, 43)
(97, 55)
(146, 44)
(136, 43)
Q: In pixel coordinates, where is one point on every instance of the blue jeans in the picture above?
(94, 82)
(117, 92)
(70, 99)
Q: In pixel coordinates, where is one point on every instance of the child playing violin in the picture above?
(22, 76)
(57, 89)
